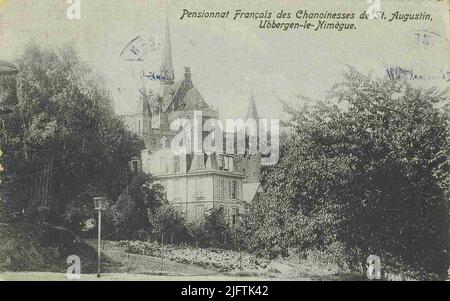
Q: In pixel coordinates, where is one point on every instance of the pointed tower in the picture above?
(145, 101)
(250, 162)
(142, 115)
(252, 112)
(166, 66)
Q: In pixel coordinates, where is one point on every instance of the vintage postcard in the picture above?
(224, 140)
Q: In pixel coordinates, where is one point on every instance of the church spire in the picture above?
(252, 112)
(166, 66)
(144, 96)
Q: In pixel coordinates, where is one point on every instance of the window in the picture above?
(176, 164)
(237, 190)
(161, 164)
(176, 188)
(233, 216)
(199, 188)
(233, 189)
(226, 163)
(221, 189)
(220, 162)
(135, 166)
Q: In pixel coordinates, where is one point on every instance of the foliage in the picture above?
(26, 247)
(139, 200)
(170, 224)
(366, 168)
(212, 230)
(63, 115)
(211, 258)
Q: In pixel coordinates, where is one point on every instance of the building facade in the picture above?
(193, 182)
(197, 182)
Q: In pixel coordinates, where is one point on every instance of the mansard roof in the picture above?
(171, 92)
(183, 95)
(194, 163)
(193, 100)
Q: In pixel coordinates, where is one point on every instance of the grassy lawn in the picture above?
(149, 267)
(123, 266)
(142, 264)
(48, 276)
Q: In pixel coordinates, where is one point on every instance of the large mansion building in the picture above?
(198, 181)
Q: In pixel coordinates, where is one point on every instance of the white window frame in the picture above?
(221, 188)
(176, 163)
(199, 192)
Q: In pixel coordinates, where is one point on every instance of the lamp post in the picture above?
(100, 204)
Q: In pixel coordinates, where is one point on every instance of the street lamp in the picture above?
(99, 204)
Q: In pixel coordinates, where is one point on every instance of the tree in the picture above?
(367, 168)
(64, 116)
(212, 229)
(170, 223)
(141, 199)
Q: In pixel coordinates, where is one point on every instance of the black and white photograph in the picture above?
(203, 140)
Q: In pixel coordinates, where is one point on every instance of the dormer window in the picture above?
(220, 162)
(225, 163)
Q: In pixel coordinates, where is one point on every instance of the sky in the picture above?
(228, 57)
